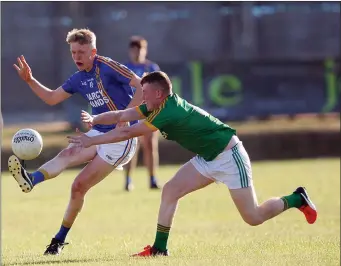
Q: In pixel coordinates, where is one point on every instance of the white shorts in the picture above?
(231, 167)
(116, 154)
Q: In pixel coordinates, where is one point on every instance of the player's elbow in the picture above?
(51, 102)
(51, 99)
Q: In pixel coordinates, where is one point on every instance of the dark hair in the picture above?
(138, 41)
(160, 78)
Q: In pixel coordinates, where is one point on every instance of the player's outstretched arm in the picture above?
(137, 98)
(112, 117)
(115, 135)
(51, 97)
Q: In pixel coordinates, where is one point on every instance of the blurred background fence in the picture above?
(234, 59)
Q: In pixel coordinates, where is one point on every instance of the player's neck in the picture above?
(139, 61)
(90, 67)
(163, 99)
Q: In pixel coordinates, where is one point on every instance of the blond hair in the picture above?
(81, 36)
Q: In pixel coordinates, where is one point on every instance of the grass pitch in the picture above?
(207, 230)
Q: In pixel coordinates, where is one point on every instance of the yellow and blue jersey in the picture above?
(106, 87)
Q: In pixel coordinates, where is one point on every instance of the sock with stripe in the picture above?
(161, 238)
(128, 180)
(292, 201)
(62, 233)
(38, 177)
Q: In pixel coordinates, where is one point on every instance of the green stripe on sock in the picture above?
(292, 201)
(162, 227)
(285, 203)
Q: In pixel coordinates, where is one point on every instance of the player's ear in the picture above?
(93, 52)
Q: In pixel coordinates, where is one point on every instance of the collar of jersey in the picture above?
(93, 66)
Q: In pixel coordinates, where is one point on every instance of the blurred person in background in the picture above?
(138, 49)
(107, 86)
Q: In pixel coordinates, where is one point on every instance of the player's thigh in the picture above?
(246, 202)
(185, 181)
(231, 167)
(93, 173)
(118, 154)
(77, 156)
(151, 139)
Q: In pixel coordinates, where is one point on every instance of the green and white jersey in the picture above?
(191, 127)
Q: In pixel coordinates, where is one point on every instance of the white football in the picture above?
(27, 144)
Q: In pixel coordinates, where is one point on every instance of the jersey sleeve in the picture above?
(71, 84)
(159, 118)
(120, 72)
(142, 109)
(154, 67)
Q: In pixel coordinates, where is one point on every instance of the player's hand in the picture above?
(122, 124)
(23, 69)
(80, 140)
(87, 119)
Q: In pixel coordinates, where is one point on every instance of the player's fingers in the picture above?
(73, 139)
(86, 116)
(86, 119)
(16, 68)
(20, 63)
(76, 142)
(24, 62)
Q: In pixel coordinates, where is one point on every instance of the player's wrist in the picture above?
(30, 80)
(94, 119)
(91, 141)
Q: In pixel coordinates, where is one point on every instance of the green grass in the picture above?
(207, 230)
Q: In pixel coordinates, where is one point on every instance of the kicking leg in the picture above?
(92, 174)
(68, 157)
(185, 181)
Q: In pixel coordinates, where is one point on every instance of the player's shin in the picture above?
(51, 169)
(166, 215)
(276, 206)
(74, 207)
(271, 208)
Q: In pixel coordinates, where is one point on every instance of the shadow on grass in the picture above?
(54, 261)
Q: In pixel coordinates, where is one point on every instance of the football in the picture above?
(27, 144)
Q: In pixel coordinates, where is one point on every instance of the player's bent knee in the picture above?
(78, 189)
(253, 220)
(171, 192)
(68, 155)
